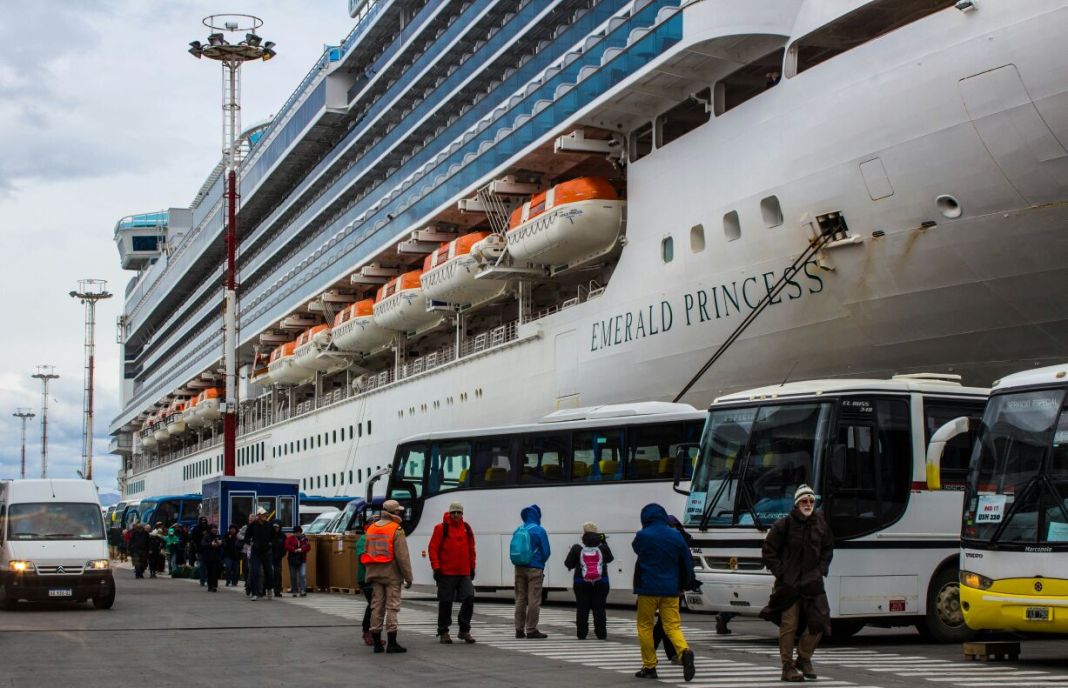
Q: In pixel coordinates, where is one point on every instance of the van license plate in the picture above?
(60, 592)
(1038, 613)
(694, 601)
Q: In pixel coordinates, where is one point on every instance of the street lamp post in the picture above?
(232, 56)
(23, 414)
(45, 373)
(89, 292)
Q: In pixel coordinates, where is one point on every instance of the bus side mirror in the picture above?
(684, 454)
(374, 478)
(935, 449)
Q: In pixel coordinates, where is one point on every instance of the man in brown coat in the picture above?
(388, 565)
(798, 551)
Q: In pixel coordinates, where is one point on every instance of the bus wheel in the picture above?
(844, 629)
(944, 622)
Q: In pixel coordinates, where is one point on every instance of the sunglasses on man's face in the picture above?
(806, 500)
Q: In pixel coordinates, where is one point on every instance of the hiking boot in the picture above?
(520, 634)
(391, 643)
(367, 638)
(804, 665)
(444, 639)
(688, 669)
(537, 635)
(466, 637)
(646, 672)
(721, 626)
(790, 673)
(376, 642)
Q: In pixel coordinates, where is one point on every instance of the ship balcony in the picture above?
(121, 444)
(140, 239)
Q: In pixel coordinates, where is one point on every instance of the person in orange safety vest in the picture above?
(388, 565)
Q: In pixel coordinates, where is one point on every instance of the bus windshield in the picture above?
(752, 460)
(1018, 485)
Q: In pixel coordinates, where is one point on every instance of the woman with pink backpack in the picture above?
(590, 561)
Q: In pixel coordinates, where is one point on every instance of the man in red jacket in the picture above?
(452, 556)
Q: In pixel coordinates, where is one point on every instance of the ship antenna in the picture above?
(788, 374)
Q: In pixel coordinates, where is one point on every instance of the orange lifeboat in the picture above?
(209, 404)
(310, 350)
(159, 426)
(401, 305)
(569, 224)
(355, 329)
(282, 368)
(175, 418)
(449, 272)
(192, 420)
(148, 436)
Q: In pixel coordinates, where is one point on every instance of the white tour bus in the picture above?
(861, 444)
(600, 464)
(1014, 536)
(52, 543)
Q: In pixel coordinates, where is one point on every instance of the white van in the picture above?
(52, 543)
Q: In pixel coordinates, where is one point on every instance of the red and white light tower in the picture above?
(23, 414)
(45, 373)
(232, 56)
(89, 292)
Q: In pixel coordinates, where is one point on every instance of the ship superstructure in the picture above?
(473, 213)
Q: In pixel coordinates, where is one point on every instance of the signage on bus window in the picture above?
(990, 509)
(1046, 404)
(857, 405)
(695, 506)
(1058, 532)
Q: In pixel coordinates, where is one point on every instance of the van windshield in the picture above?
(55, 521)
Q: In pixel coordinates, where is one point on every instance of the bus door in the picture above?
(406, 482)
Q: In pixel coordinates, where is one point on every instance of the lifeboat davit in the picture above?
(355, 329)
(209, 405)
(311, 350)
(189, 415)
(283, 369)
(570, 223)
(175, 418)
(401, 304)
(449, 272)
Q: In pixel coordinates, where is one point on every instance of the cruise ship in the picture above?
(472, 213)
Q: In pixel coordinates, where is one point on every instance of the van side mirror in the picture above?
(937, 446)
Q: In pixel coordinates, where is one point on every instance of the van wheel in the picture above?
(6, 603)
(944, 621)
(106, 600)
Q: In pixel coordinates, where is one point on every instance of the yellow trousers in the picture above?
(668, 607)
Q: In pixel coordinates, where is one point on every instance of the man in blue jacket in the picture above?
(529, 550)
(664, 569)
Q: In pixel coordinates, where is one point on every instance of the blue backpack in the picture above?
(521, 549)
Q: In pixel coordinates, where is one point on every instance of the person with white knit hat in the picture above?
(798, 551)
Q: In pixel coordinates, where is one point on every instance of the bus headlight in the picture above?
(97, 564)
(19, 566)
(974, 580)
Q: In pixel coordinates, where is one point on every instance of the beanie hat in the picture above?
(589, 527)
(456, 506)
(803, 491)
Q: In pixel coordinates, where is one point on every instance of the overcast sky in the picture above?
(103, 114)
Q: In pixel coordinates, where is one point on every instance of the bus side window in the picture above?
(958, 451)
(652, 450)
(449, 467)
(543, 458)
(409, 466)
(491, 463)
(598, 456)
(869, 469)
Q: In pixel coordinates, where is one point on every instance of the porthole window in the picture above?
(667, 249)
(697, 238)
(771, 211)
(732, 226)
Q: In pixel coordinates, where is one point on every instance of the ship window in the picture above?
(732, 226)
(305, 444)
(683, 118)
(866, 23)
(748, 81)
(360, 428)
(318, 484)
(350, 432)
(333, 480)
(334, 433)
(368, 427)
(641, 142)
(667, 249)
(145, 243)
(697, 238)
(350, 477)
(771, 211)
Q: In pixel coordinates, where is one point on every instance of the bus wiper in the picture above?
(1018, 499)
(707, 515)
(750, 503)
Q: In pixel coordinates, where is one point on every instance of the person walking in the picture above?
(155, 550)
(362, 586)
(210, 556)
(452, 557)
(138, 549)
(589, 560)
(798, 551)
(246, 554)
(388, 566)
(658, 629)
(170, 541)
(231, 553)
(197, 534)
(663, 571)
(297, 547)
(258, 539)
(529, 551)
(278, 553)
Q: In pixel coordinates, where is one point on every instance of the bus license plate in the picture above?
(60, 592)
(1038, 613)
(694, 601)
